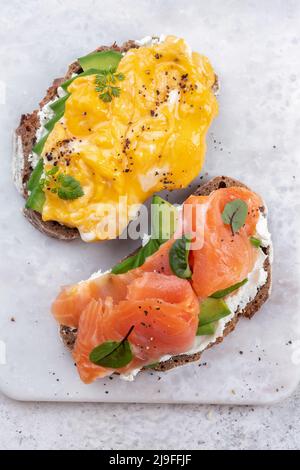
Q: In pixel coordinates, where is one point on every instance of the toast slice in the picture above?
(25, 139)
(68, 334)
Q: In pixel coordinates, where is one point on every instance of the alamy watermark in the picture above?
(166, 221)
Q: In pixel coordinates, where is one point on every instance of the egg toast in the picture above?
(154, 109)
(244, 300)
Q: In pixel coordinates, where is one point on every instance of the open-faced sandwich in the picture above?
(124, 123)
(178, 294)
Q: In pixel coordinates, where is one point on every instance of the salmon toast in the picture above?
(163, 309)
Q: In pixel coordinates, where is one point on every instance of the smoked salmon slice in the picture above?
(223, 259)
(73, 299)
(163, 311)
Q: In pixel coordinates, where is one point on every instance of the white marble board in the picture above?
(255, 52)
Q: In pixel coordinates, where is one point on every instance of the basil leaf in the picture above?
(136, 260)
(207, 330)
(178, 258)
(112, 354)
(151, 247)
(212, 310)
(36, 199)
(222, 293)
(69, 187)
(235, 214)
(255, 242)
(36, 175)
(124, 266)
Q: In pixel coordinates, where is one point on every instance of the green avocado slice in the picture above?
(212, 310)
(59, 105)
(36, 175)
(38, 148)
(164, 218)
(36, 199)
(207, 330)
(50, 124)
(103, 60)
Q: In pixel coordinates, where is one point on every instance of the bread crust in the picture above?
(69, 334)
(26, 132)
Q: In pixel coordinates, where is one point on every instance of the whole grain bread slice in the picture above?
(69, 334)
(25, 139)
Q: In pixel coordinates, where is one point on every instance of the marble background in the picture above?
(273, 28)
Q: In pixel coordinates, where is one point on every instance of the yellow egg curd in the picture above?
(149, 138)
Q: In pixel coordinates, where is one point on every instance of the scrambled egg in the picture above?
(149, 138)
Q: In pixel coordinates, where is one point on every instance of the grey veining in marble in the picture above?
(255, 49)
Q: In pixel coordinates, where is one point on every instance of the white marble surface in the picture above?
(270, 36)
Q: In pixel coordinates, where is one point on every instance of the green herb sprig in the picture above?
(65, 186)
(105, 85)
(179, 257)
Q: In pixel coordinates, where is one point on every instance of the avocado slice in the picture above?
(36, 199)
(50, 124)
(38, 148)
(207, 330)
(103, 60)
(59, 105)
(36, 175)
(162, 212)
(212, 310)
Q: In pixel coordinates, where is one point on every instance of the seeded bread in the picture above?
(68, 334)
(25, 139)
